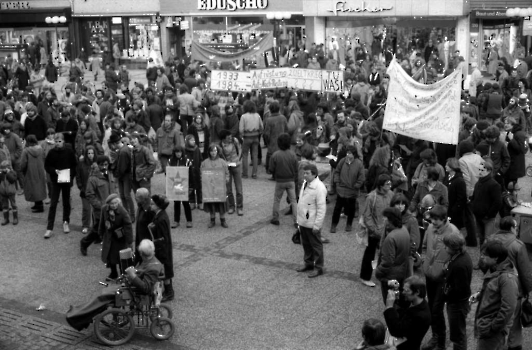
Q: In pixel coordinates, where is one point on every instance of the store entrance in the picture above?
(294, 36)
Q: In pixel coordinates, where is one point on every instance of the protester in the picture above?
(32, 166)
(142, 164)
(8, 179)
(180, 159)
(250, 128)
(232, 153)
(215, 161)
(83, 171)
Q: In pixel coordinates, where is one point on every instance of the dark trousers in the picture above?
(64, 189)
(124, 189)
(366, 270)
(457, 314)
(349, 205)
(177, 211)
(135, 185)
(185, 121)
(436, 306)
(470, 225)
(94, 235)
(194, 195)
(313, 248)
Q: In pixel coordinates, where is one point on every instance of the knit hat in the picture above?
(523, 100)
(482, 125)
(465, 146)
(160, 200)
(111, 197)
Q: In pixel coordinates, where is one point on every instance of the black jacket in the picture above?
(457, 287)
(487, 198)
(411, 323)
(60, 159)
(457, 192)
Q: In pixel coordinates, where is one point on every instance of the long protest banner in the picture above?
(272, 78)
(427, 112)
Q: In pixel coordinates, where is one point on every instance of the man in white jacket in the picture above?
(311, 210)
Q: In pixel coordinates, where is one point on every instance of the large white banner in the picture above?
(427, 112)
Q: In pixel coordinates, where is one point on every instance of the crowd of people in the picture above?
(410, 196)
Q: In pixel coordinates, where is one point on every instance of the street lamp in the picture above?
(55, 20)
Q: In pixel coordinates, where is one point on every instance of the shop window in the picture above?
(143, 37)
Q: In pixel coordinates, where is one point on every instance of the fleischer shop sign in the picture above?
(232, 5)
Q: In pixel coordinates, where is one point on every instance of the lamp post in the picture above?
(55, 20)
(276, 17)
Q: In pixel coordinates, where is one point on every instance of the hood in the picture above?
(35, 151)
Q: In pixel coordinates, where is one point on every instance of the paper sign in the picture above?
(298, 78)
(230, 80)
(426, 112)
(213, 185)
(63, 176)
(177, 183)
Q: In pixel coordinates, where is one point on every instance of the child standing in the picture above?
(8, 178)
(179, 158)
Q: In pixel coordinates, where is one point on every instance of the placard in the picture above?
(177, 183)
(213, 185)
(298, 78)
(426, 112)
(227, 80)
(63, 176)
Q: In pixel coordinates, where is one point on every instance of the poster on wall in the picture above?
(177, 183)
(426, 112)
(213, 185)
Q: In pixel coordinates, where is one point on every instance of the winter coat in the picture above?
(122, 165)
(194, 155)
(349, 178)
(32, 166)
(83, 171)
(99, 187)
(311, 207)
(376, 202)
(274, 126)
(168, 139)
(160, 228)
(517, 148)
(142, 163)
(518, 255)
(436, 256)
(193, 130)
(457, 199)
(250, 125)
(14, 145)
(187, 104)
(458, 275)
(8, 183)
(50, 72)
(487, 198)
(411, 323)
(498, 153)
(394, 256)
(111, 79)
(497, 301)
(232, 151)
(60, 159)
(110, 229)
(439, 193)
(412, 226)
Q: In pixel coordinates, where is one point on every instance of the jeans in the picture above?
(177, 211)
(436, 305)
(457, 315)
(235, 174)
(253, 143)
(313, 248)
(485, 228)
(280, 187)
(366, 270)
(349, 204)
(64, 190)
(86, 212)
(124, 189)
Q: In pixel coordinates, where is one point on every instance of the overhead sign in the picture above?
(427, 112)
(230, 80)
(489, 13)
(342, 7)
(232, 5)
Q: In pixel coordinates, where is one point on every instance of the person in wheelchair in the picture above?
(142, 278)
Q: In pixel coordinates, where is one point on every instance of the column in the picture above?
(315, 29)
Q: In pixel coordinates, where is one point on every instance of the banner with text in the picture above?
(272, 78)
(427, 112)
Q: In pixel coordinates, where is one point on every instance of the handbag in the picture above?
(296, 237)
(526, 313)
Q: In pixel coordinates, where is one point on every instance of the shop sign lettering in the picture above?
(98, 26)
(15, 5)
(232, 5)
(342, 7)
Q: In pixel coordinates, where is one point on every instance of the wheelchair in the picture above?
(130, 310)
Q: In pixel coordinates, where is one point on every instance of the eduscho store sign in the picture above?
(232, 5)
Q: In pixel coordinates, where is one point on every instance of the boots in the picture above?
(168, 293)
(211, 224)
(15, 217)
(6, 218)
(223, 223)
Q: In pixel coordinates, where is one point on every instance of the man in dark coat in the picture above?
(68, 127)
(121, 168)
(60, 159)
(517, 146)
(35, 124)
(413, 322)
(486, 201)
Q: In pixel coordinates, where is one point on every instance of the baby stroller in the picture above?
(121, 308)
